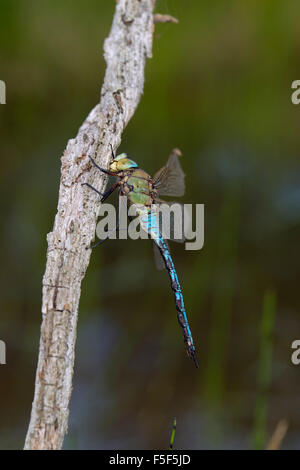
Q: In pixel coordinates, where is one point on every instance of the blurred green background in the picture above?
(219, 88)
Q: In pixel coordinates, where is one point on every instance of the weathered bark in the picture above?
(126, 49)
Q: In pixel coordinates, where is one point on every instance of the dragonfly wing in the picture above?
(159, 261)
(175, 220)
(169, 180)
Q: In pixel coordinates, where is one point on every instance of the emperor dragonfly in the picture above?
(144, 192)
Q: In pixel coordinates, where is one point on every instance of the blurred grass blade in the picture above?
(264, 369)
(225, 282)
(173, 435)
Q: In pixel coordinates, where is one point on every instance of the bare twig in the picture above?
(278, 435)
(126, 49)
(158, 18)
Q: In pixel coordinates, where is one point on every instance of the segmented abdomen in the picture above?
(149, 223)
(181, 313)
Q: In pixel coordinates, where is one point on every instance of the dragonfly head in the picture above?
(121, 163)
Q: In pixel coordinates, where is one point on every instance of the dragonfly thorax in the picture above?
(137, 185)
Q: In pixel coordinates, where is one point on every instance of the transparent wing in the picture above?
(169, 180)
(174, 220)
(159, 261)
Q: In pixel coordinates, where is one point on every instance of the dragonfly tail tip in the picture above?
(195, 361)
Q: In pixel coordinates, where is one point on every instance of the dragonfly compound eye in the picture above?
(126, 164)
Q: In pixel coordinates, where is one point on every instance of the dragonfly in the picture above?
(144, 192)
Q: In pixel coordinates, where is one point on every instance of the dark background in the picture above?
(219, 88)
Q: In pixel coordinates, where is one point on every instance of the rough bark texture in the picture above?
(126, 49)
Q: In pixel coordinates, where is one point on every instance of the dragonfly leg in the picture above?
(109, 191)
(101, 169)
(91, 247)
(106, 194)
(104, 240)
(94, 189)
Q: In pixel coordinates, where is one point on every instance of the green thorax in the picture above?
(140, 188)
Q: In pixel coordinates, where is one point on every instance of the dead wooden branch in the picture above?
(128, 45)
